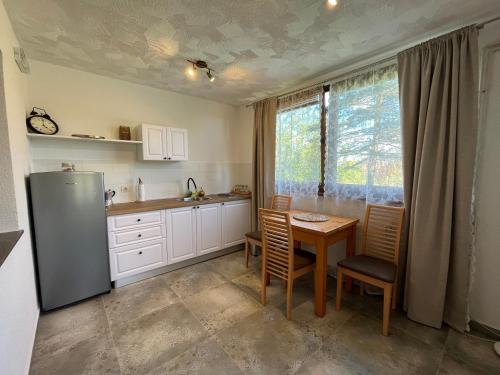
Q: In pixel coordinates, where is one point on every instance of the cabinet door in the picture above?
(154, 142)
(177, 144)
(235, 222)
(181, 234)
(208, 228)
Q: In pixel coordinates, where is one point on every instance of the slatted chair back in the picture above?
(382, 232)
(277, 243)
(281, 202)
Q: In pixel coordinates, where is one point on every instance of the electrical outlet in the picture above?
(123, 189)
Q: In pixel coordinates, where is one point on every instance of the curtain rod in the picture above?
(340, 76)
(479, 26)
(482, 24)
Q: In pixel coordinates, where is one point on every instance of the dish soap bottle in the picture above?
(141, 191)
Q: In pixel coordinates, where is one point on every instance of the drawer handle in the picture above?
(139, 235)
(140, 252)
(138, 219)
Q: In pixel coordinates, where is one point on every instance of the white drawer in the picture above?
(136, 235)
(135, 220)
(134, 259)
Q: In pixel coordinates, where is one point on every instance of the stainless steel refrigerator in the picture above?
(69, 218)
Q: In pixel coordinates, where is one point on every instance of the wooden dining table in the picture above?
(322, 235)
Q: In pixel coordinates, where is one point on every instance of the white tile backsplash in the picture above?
(162, 180)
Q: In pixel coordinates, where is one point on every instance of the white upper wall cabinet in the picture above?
(162, 143)
(177, 145)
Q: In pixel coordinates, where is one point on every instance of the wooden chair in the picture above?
(279, 203)
(378, 263)
(279, 258)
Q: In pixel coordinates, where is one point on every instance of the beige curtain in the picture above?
(438, 96)
(264, 145)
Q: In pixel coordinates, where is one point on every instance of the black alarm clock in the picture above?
(40, 122)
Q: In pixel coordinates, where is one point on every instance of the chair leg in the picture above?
(268, 278)
(394, 291)
(263, 296)
(387, 309)
(289, 287)
(338, 299)
(247, 251)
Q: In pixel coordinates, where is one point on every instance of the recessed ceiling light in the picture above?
(332, 3)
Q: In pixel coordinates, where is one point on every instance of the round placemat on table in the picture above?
(311, 217)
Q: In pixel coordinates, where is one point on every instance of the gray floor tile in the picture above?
(196, 321)
(60, 329)
(465, 354)
(325, 327)
(153, 339)
(360, 341)
(267, 343)
(372, 307)
(221, 306)
(206, 358)
(327, 361)
(132, 301)
(303, 289)
(231, 266)
(192, 280)
(94, 356)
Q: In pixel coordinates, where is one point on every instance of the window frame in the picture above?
(324, 112)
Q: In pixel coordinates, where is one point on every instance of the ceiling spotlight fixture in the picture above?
(192, 71)
(200, 64)
(210, 76)
(332, 3)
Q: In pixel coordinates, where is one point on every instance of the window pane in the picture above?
(298, 150)
(364, 136)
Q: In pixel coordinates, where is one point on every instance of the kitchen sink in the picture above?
(189, 199)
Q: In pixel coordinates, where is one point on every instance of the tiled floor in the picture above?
(207, 319)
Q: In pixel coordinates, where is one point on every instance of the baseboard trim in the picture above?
(487, 331)
(172, 267)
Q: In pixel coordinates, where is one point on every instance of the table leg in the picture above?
(320, 278)
(350, 252)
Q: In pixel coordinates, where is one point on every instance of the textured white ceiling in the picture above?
(257, 47)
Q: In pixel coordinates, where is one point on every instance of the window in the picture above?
(298, 151)
(363, 140)
(364, 137)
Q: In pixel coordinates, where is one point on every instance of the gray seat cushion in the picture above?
(255, 235)
(370, 266)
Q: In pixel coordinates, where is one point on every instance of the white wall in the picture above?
(18, 306)
(81, 102)
(484, 301)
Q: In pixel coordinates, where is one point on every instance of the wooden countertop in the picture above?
(162, 204)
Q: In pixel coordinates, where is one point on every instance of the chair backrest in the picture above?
(277, 242)
(281, 202)
(382, 232)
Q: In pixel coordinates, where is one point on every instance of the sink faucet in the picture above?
(194, 183)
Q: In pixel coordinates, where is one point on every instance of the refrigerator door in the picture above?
(70, 234)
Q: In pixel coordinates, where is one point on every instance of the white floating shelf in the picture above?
(69, 138)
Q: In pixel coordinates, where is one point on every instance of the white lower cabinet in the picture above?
(147, 240)
(181, 233)
(235, 222)
(208, 228)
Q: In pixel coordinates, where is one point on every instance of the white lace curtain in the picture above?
(363, 156)
(298, 152)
